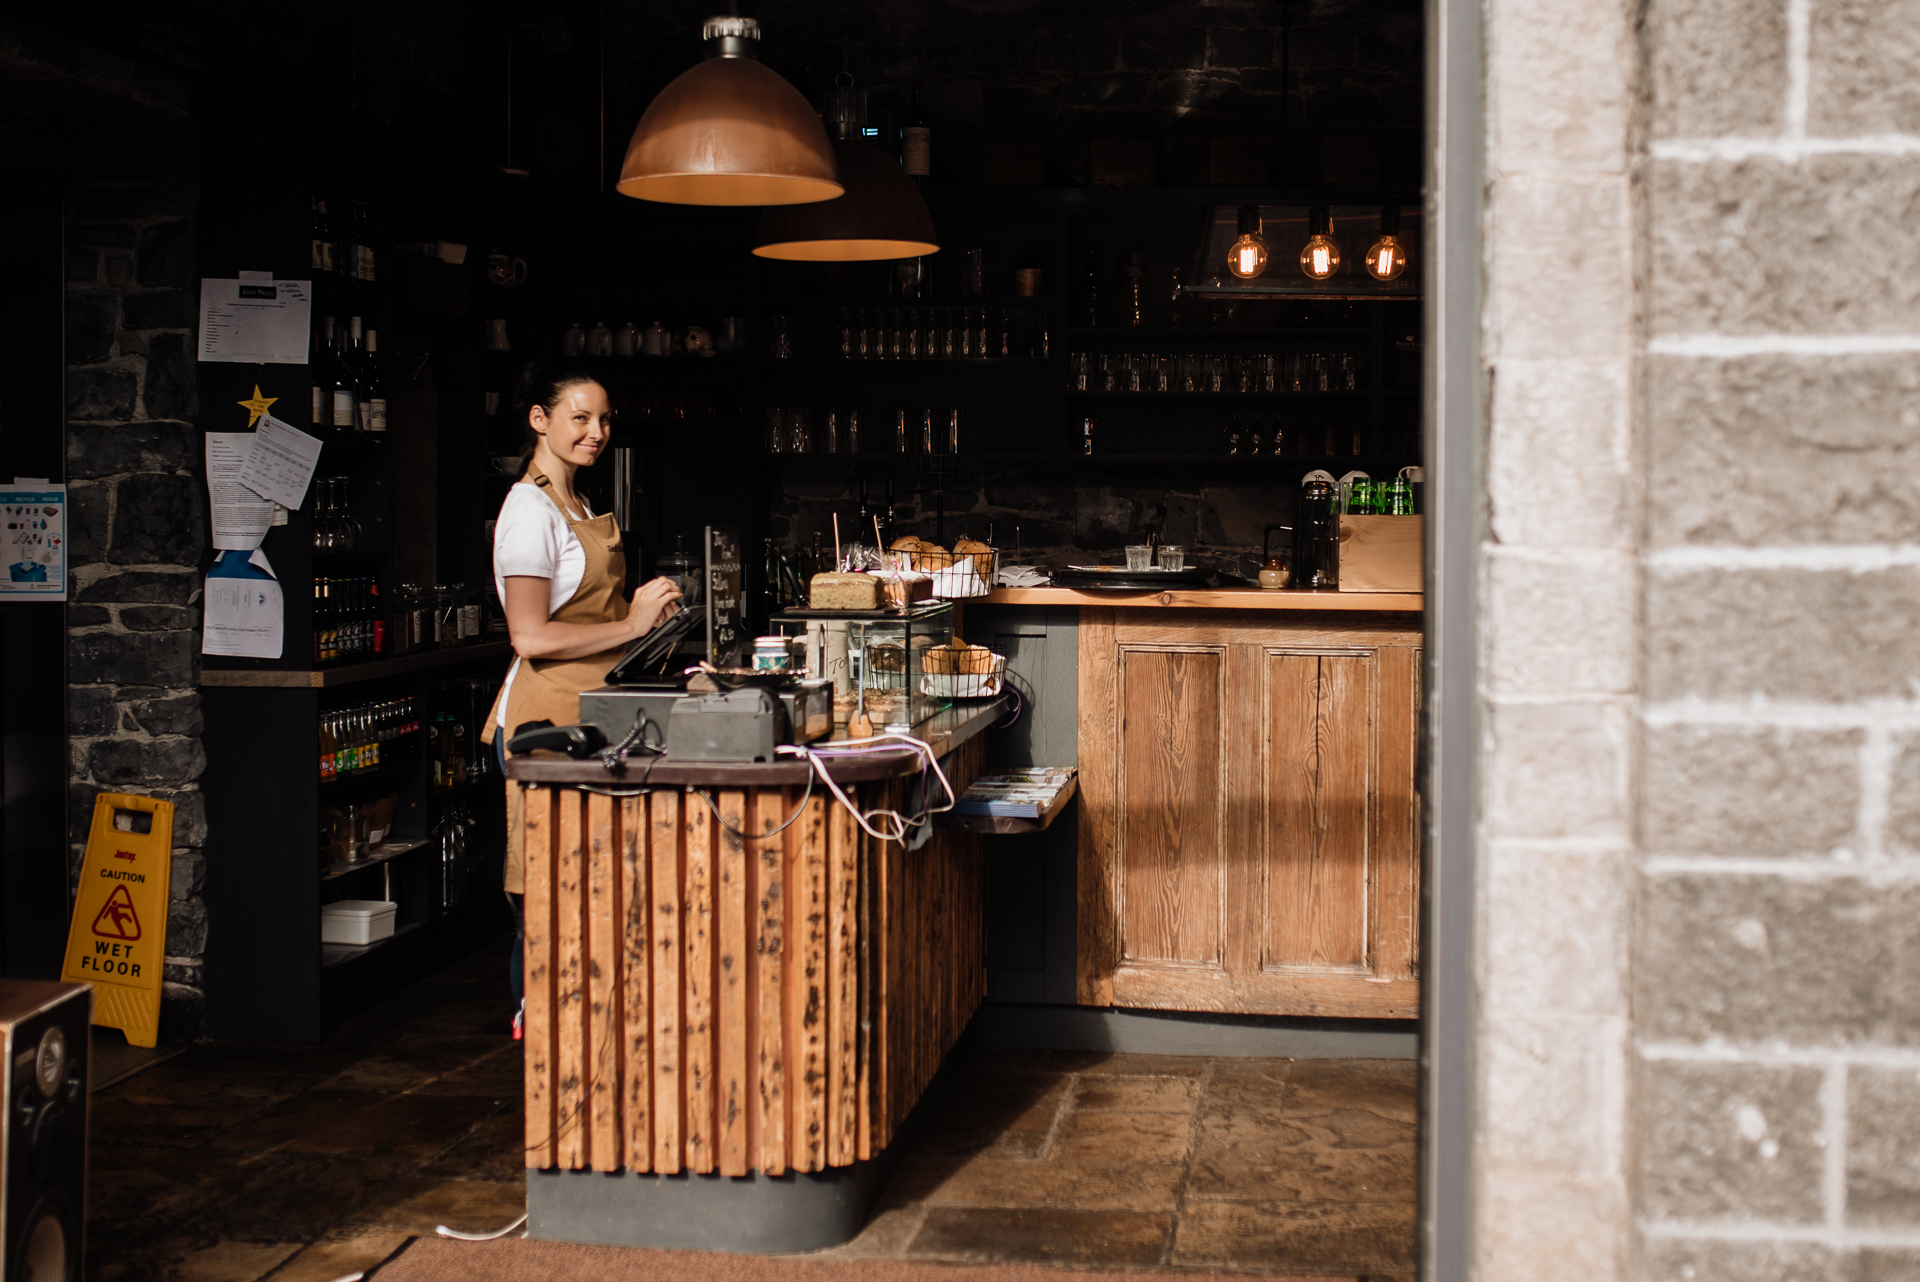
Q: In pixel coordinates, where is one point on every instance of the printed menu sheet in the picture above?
(280, 462)
(33, 542)
(255, 322)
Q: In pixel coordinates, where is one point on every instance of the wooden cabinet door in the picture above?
(1248, 823)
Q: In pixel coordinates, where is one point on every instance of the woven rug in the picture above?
(525, 1260)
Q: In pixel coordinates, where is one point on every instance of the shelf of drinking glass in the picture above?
(1304, 460)
(973, 362)
(1211, 335)
(1076, 394)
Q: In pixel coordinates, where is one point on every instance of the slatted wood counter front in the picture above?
(701, 1002)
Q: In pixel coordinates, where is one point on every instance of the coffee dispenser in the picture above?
(1316, 537)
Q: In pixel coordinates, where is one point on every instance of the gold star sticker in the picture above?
(257, 406)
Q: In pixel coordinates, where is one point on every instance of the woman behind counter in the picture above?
(560, 571)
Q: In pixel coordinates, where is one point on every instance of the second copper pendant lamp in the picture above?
(730, 131)
(882, 214)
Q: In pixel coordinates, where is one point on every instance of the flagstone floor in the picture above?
(230, 1163)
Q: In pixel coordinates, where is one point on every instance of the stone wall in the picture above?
(1558, 672)
(1777, 1003)
(1699, 970)
(138, 537)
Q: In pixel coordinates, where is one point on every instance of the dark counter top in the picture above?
(945, 731)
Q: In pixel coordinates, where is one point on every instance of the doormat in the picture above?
(526, 1260)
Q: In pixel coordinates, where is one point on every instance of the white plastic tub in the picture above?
(357, 921)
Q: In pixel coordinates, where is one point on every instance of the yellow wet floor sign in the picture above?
(118, 937)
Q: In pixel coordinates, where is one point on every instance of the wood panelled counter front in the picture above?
(1248, 830)
(699, 1001)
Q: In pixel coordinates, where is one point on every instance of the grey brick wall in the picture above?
(133, 462)
(1699, 942)
(1777, 959)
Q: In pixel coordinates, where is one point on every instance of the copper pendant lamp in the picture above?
(882, 214)
(730, 131)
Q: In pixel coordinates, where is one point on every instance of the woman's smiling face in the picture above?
(579, 427)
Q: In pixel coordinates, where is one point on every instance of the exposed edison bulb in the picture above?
(1320, 257)
(1247, 257)
(1388, 257)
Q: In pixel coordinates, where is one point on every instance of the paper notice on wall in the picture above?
(280, 462)
(245, 613)
(255, 322)
(240, 517)
(33, 541)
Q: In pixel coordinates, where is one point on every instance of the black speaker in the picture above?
(44, 1035)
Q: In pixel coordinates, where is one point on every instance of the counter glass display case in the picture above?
(875, 656)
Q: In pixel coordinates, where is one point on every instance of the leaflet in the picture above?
(240, 516)
(245, 614)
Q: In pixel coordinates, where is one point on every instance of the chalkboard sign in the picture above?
(727, 643)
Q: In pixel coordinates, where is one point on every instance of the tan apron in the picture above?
(549, 689)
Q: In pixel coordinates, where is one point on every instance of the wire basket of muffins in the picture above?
(961, 671)
(965, 570)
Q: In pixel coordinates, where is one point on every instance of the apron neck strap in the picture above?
(544, 484)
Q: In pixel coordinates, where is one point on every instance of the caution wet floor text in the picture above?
(119, 933)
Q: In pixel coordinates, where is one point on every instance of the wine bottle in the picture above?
(362, 384)
(341, 392)
(916, 141)
(317, 371)
(322, 237)
(376, 385)
(1133, 305)
(1090, 314)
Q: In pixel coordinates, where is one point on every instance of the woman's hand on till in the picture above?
(653, 601)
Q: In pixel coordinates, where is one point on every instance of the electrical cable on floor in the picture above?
(444, 1231)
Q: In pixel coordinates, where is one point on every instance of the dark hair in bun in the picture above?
(543, 383)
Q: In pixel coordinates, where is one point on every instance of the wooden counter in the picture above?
(1247, 835)
(1207, 599)
(708, 1002)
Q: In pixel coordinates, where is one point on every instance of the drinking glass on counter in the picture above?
(799, 431)
(1173, 557)
(776, 431)
(1166, 374)
(1216, 373)
(1349, 372)
(1138, 371)
(1269, 374)
(1139, 556)
(1080, 368)
(1110, 366)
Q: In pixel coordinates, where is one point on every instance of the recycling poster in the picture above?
(33, 544)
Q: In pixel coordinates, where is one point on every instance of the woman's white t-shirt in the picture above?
(532, 538)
